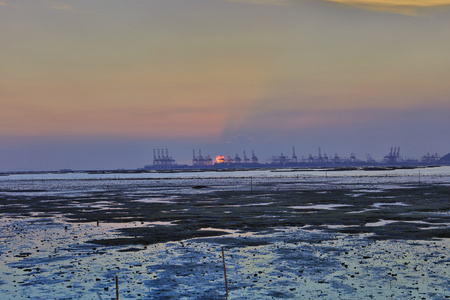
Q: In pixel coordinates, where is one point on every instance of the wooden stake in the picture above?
(117, 288)
(251, 187)
(225, 272)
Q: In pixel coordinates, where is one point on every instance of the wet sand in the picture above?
(283, 238)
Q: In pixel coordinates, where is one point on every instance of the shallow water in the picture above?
(289, 235)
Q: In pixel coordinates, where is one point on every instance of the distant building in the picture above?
(201, 160)
(161, 160)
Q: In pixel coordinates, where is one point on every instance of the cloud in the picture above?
(270, 2)
(407, 7)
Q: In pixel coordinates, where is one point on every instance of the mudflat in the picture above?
(283, 237)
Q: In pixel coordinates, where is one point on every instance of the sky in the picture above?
(99, 84)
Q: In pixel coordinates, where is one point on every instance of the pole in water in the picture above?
(117, 288)
(224, 272)
(419, 177)
(251, 187)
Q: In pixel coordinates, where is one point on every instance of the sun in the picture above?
(220, 159)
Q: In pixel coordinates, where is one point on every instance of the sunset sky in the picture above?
(98, 84)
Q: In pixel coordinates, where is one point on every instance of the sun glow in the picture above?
(220, 159)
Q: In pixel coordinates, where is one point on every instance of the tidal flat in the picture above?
(290, 234)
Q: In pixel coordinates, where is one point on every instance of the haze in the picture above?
(99, 84)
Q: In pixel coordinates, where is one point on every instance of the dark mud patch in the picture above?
(399, 230)
(270, 204)
(199, 187)
(153, 235)
(132, 249)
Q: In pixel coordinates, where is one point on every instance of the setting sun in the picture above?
(220, 159)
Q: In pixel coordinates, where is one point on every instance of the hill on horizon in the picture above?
(445, 159)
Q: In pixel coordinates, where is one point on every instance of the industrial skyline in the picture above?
(162, 160)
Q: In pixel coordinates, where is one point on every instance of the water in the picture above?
(48, 221)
